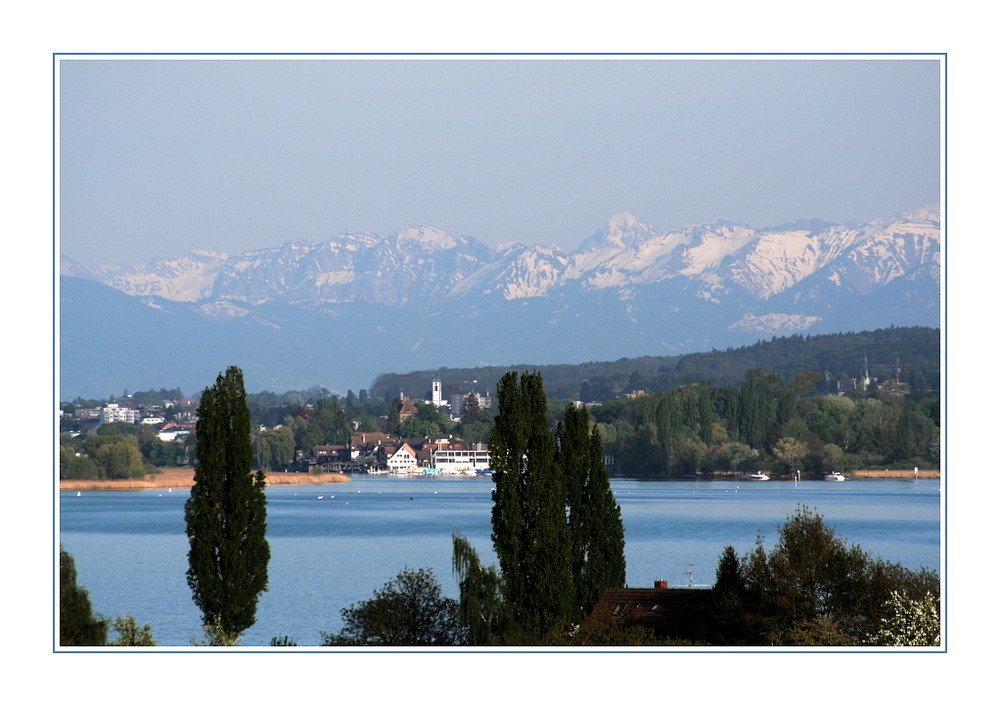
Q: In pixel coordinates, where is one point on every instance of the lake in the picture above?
(333, 545)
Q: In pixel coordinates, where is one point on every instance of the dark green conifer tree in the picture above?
(226, 514)
(604, 533)
(597, 537)
(77, 623)
(530, 532)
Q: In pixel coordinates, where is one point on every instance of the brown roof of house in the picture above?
(672, 612)
(331, 450)
(369, 438)
(408, 409)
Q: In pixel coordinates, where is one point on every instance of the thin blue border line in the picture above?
(944, 309)
(600, 54)
(944, 295)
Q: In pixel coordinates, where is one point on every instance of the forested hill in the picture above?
(915, 352)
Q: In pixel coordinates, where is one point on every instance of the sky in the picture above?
(161, 155)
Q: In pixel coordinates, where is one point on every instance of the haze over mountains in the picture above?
(338, 313)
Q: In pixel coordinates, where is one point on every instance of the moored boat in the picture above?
(835, 476)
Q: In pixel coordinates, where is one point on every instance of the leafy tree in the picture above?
(414, 428)
(909, 622)
(117, 455)
(530, 532)
(73, 467)
(120, 460)
(810, 589)
(325, 423)
(130, 634)
(78, 625)
(407, 611)
(226, 514)
(274, 448)
(790, 452)
(481, 608)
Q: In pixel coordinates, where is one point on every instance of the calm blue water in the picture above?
(332, 545)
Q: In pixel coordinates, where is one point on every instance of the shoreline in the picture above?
(184, 478)
(889, 474)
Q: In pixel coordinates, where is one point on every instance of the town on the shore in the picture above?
(369, 452)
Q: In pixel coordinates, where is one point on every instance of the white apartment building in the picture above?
(114, 413)
(468, 460)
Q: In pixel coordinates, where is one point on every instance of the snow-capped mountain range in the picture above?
(641, 290)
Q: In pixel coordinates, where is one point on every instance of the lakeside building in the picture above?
(379, 452)
(475, 458)
(402, 459)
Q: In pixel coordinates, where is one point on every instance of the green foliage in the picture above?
(597, 536)
(407, 611)
(530, 533)
(810, 589)
(471, 413)
(116, 456)
(812, 364)
(78, 626)
(324, 423)
(481, 608)
(131, 634)
(675, 434)
(74, 467)
(217, 636)
(226, 515)
(557, 529)
(274, 448)
(755, 395)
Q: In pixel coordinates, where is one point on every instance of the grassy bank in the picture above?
(875, 474)
(184, 478)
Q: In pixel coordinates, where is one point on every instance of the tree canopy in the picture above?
(77, 623)
(408, 611)
(812, 588)
(226, 514)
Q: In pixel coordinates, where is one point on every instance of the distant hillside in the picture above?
(838, 357)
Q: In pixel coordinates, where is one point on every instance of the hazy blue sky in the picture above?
(159, 157)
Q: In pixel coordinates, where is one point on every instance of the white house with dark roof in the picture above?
(402, 460)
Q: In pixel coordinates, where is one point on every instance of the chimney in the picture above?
(660, 584)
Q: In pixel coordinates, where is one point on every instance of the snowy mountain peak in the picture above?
(427, 238)
(425, 265)
(623, 231)
(930, 214)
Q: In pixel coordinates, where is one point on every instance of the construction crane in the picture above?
(866, 377)
(897, 368)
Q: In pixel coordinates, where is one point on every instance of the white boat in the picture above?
(759, 475)
(835, 476)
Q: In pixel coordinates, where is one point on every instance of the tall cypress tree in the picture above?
(530, 533)
(226, 514)
(597, 536)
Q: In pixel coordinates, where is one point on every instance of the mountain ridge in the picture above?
(423, 297)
